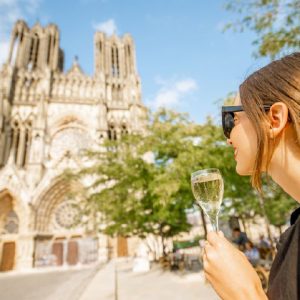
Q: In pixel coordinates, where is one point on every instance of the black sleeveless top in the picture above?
(284, 280)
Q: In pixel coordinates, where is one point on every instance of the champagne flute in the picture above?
(208, 189)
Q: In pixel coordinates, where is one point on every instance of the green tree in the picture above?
(275, 22)
(278, 205)
(141, 184)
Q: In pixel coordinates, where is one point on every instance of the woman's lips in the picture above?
(235, 152)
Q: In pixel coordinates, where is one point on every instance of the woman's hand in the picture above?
(229, 271)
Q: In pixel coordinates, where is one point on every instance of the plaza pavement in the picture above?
(98, 282)
(46, 284)
(153, 285)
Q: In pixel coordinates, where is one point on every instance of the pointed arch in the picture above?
(67, 120)
(14, 214)
(51, 200)
(115, 65)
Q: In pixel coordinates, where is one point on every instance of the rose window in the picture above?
(66, 215)
(71, 141)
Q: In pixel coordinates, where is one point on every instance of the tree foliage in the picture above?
(141, 182)
(278, 204)
(275, 22)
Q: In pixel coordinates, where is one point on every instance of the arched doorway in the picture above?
(62, 235)
(9, 228)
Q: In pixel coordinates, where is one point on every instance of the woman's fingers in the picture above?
(221, 234)
(214, 238)
(209, 255)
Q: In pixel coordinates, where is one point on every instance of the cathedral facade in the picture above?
(47, 117)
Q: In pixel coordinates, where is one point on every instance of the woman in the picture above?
(263, 127)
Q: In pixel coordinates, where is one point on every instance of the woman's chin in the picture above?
(242, 171)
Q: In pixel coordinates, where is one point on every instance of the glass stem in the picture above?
(215, 223)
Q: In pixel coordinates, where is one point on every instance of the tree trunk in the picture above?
(163, 246)
(247, 229)
(244, 224)
(151, 250)
(280, 229)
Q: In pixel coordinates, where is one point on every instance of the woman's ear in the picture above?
(278, 118)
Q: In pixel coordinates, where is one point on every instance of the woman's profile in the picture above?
(263, 127)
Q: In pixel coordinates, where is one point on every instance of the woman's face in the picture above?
(243, 139)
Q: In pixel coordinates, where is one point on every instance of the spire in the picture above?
(37, 25)
(75, 69)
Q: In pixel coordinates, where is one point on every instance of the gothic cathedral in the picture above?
(47, 117)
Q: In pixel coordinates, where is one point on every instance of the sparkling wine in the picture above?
(208, 188)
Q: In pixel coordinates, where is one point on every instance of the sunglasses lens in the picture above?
(228, 124)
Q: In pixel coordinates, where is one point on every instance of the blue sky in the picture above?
(184, 59)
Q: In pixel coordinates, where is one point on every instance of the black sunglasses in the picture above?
(228, 117)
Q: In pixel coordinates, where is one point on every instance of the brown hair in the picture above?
(279, 81)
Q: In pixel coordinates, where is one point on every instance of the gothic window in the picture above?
(112, 133)
(124, 130)
(11, 223)
(61, 60)
(70, 140)
(119, 93)
(20, 142)
(129, 58)
(3, 124)
(30, 65)
(15, 139)
(36, 54)
(116, 93)
(128, 48)
(49, 49)
(4, 144)
(33, 56)
(66, 215)
(27, 141)
(115, 68)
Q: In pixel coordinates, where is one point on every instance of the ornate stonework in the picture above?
(47, 117)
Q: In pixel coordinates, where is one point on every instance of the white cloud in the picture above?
(172, 94)
(109, 27)
(32, 6)
(7, 2)
(10, 12)
(166, 98)
(186, 85)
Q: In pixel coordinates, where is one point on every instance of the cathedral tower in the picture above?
(35, 48)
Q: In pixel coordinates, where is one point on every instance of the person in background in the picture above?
(264, 247)
(239, 238)
(252, 253)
